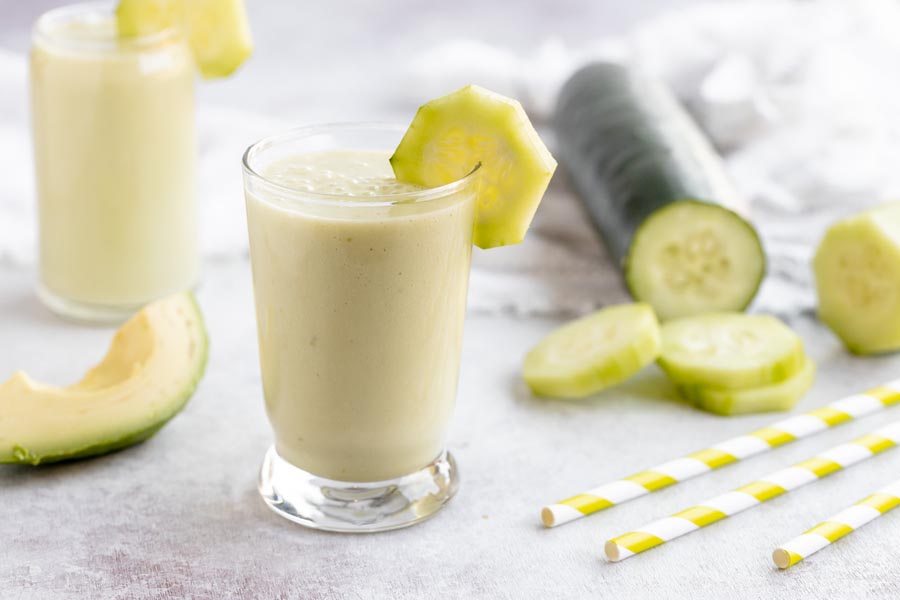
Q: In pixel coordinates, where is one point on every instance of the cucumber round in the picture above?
(450, 136)
(766, 398)
(593, 352)
(692, 257)
(730, 350)
(857, 270)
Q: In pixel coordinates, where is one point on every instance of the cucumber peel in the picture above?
(594, 352)
(730, 350)
(857, 272)
(452, 135)
(773, 397)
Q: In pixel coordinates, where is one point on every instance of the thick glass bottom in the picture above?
(356, 507)
(86, 312)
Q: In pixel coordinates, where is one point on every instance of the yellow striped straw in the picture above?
(773, 485)
(721, 454)
(845, 522)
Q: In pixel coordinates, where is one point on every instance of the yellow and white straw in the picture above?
(719, 455)
(841, 524)
(739, 500)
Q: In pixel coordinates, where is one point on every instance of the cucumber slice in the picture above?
(857, 270)
(217, 30)
(450, 136)
(135, 18)
(776, 396)
(219, 35)
(593, 352)
(693, 257)
(657, 192)
(730, 350)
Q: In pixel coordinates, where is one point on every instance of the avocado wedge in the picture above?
(149, 373)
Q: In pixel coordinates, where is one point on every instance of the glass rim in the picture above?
(45, 31)
(321, 198)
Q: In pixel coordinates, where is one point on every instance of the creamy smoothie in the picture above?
(114, 155)
(360, 297)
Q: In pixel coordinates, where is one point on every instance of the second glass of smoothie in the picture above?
(360, 284)
(115, 151)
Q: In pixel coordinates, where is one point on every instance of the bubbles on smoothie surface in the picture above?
(356, 174)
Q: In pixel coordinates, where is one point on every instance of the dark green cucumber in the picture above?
(658, 194)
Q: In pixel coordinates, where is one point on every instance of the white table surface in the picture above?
(179, 516)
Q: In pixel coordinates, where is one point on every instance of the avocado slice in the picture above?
(149, 373)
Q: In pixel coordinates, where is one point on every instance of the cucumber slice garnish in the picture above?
(691, 257)
(777, 396)
(593, 352)
(857, 269)
(136, 18)
(730, 350)
(451, 135)
(217, 30)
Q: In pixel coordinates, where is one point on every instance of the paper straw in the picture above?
(721, 454)
(841, 524)
(773, 485)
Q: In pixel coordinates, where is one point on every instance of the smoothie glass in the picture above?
(115, 150)
(360, 303)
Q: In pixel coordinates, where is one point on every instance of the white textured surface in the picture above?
(179, 517)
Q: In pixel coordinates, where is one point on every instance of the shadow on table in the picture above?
(651, 387)
(18, 474)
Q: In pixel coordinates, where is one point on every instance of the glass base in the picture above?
(85, 312)
(356, 507)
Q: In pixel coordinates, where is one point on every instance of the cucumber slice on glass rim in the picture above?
(773, 397)
(217, 30)
(593, 352)
(730, 350)
(451, 135)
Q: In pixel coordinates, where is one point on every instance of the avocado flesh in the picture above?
(152, 367)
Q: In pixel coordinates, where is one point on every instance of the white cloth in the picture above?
(800, 97)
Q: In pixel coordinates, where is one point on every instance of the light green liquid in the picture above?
(360, 313)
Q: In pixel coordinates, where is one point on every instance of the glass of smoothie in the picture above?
(115, 149)
(360, 284)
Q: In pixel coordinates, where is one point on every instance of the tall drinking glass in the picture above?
(114, 147)
(360, 284)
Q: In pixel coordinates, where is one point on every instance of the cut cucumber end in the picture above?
(692, 257)
(449, 136)
(730, 350)
(857, 272)
(780, 396)
(593, 352)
